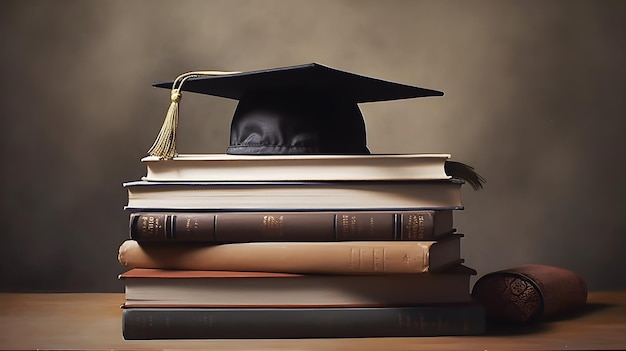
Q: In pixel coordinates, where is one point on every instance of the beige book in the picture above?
(351, 257)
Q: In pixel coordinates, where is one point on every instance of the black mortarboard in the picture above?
(306, 109)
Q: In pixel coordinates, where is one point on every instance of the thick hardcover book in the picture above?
(290, 226)
(282, 323)
(312, 196)
(224, 167)
(343, 257)
(156, 287)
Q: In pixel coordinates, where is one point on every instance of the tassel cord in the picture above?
(165, 144)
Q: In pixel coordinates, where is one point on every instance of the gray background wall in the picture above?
(534, 100)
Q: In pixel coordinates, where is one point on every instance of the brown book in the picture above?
(343, 257)
(529, 293)
(290, 226)
(177, 288)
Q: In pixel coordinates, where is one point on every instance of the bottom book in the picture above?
(285, 323)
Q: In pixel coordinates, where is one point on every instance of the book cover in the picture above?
(267, 196)
(227, 167)
(157, 287)
(282, 323)
(345, 257)
(224, 227)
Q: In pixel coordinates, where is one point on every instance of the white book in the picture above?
(348, 195)
(225, 167)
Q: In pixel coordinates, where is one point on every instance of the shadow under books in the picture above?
(497, 328)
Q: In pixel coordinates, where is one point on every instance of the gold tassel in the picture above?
(165, 144)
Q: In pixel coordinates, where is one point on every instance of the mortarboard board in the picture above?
(305, 109)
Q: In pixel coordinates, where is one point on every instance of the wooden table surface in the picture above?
(93, 322)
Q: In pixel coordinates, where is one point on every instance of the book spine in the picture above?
(347, 257)
(290, 226)
(276, 323)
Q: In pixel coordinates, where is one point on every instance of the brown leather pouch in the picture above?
(529, 293)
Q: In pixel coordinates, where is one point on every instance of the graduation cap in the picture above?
(305, 109)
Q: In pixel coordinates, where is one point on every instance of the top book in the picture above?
(227, 167)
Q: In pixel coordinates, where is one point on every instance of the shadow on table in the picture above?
(499, 328)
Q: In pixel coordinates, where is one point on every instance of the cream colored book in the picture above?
(146, 287)
(222, 196)
(225, 167)
(350, 257)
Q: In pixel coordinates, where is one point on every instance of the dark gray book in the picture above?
(281, 323)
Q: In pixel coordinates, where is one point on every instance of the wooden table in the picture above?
(93, 322)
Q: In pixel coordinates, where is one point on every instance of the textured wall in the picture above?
(534, 99)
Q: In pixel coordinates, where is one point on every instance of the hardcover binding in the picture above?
(282, 323)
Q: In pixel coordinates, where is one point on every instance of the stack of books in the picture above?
(294, 246)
